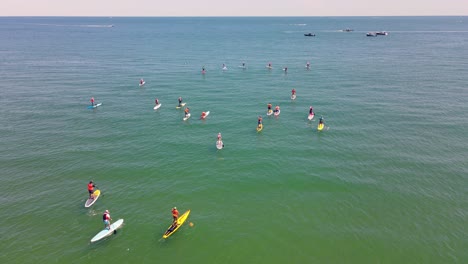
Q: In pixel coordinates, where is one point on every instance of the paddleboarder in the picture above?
(106, 219)
(92, 101)
(91, 189)
(175, 214)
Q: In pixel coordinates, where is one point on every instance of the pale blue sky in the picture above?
(233, 7)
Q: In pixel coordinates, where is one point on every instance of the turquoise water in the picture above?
(386, 182)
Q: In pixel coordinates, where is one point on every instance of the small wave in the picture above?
(300, 25)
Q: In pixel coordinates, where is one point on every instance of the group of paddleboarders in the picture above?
(106, 218)
(277, 111)
(269, 66)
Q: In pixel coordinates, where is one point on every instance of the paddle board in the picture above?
(186, 117)
(91, 201)
(224, 68)
(219, 144)
(311, 116)
(180, 222)
(181, 105)
(259, 127)
(269, 112)
(107, 232)
(293, 97)
(157, 106)
(94, 106)
(269, 67)
(206, 114)
(277, 113)
(141, 84)
(320, 126)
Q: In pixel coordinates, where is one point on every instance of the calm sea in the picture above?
(385, 182)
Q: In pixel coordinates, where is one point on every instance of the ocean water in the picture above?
(385, 182)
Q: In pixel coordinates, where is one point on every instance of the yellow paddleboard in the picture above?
(259, 127)
(320, 126)
(180, 221)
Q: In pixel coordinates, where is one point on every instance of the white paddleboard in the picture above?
(107, 232)
(90, 201)
(156, 106)
(219, 144)
(94, 106)
(269, 112)
(206, 114)
(224, 68)
(269, 67)
(181, 105)
(141, 84)
(311, 116)
(293, 97)
(277, 113)
(187, 117)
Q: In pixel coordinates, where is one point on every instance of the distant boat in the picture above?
(309, 35)
(382, 33)
(347, 30)
(371, 34)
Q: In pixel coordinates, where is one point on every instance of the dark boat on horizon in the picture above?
(309, 35)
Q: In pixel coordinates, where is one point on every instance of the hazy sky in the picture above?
(232, 7)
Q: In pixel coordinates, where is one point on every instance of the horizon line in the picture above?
(110, 16)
